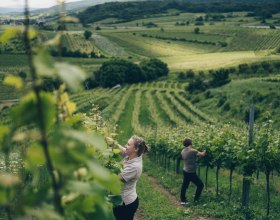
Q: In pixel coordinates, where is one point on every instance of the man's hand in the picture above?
(201, 154)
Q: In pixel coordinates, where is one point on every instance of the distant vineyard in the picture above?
(77, 42)
(108, 47)
(270, 41)
(254, 39)
(12, 61)
(165, 103)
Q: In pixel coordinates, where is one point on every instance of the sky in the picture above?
(32, 3)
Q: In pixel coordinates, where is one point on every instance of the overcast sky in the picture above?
(32, 3)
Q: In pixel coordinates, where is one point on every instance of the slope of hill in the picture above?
(79, 5)
(68, 6)
(139, 9)
(8, 10)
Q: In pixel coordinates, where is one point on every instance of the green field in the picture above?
(181, 49)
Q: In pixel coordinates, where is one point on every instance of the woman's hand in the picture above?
(111, 142)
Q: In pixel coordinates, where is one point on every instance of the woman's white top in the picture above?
(131, 172)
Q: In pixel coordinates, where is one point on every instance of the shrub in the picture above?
(154, 68)
(244, 69)
(208, 94)
(196, 30)
(257, 97)
(199, 23)
(221, 101)
(196, 85)
(22, 75)
(255, 67)
(201, 74)
(275, 104)
(232, 70)
(61, 27)
(276, 65)
(200, 18)
(266, 66)
(181, 76)
(260, 71)
(50, 84)
(118, 71)
(223, 44)
(226, 107)
(87, 34)
(150, 24)
(190, 74)
(195, 100)
(220, 77)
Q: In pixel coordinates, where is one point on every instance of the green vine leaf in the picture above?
(110, 181)
(26, 112)
(54, 41)
(93, 139)
(34, 156)
(73, 76)
(4, 130)
(44, 63)
(43, 213)
(9, 34)
(14, 81)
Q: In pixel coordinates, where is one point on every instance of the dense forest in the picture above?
(126, 11)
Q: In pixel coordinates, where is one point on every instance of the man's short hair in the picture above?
(187, 142)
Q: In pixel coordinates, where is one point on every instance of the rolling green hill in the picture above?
(133, 10)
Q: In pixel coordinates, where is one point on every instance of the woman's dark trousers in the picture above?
(126, 212)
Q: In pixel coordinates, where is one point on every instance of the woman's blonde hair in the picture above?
(140, 145)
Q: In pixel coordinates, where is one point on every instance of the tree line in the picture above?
(127, 11)
(118, 71)
(201, 81)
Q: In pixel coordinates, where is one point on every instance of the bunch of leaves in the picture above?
(70, 145)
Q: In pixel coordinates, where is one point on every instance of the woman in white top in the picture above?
(132, 170)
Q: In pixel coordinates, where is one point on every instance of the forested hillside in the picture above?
(135, 10)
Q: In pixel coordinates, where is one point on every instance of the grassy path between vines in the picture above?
(156, 202)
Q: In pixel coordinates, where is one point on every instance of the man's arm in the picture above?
(201, 154)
